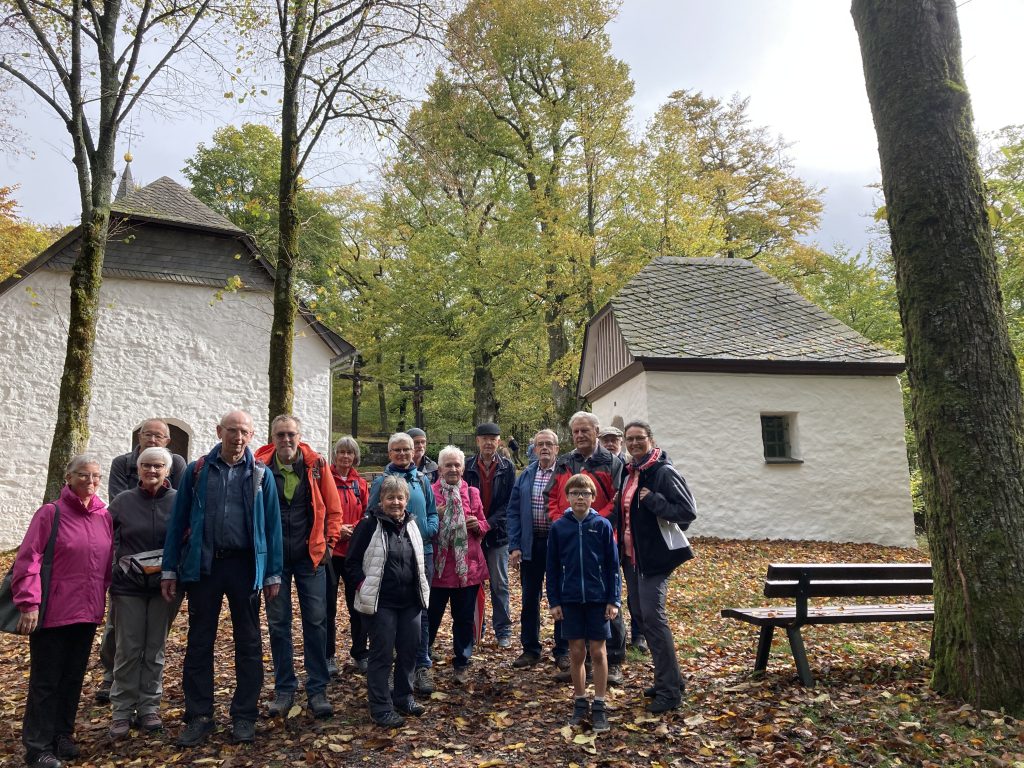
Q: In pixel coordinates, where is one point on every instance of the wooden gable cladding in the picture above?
(605, 353)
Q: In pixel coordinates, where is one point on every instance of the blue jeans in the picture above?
(311, 586)
(423, 653)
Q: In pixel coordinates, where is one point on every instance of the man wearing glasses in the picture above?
(124, 475)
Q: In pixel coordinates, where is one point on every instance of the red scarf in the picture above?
(632, 485)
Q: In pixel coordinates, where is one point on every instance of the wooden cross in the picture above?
(418, 387)
(357, 390)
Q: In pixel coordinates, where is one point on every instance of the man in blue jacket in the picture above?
(494, 476)
(224, 539)
(528, 526)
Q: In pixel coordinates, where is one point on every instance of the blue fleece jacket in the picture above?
(583, 561)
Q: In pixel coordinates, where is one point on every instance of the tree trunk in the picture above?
(965, 390)
(71, 431)
(282, 331)
(485, 403)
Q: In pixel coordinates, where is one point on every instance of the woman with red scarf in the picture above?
(353, 493)
(654, 507)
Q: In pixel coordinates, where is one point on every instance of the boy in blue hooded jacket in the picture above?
(584, 592)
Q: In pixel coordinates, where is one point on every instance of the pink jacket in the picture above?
(472, 506)
(82, 558)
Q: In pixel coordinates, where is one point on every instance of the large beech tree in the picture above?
(90, 64)
(965, 388)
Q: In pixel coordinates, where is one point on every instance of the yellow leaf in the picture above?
(491, 763)
(335, 747)
(428, 753)
(295, 711)
(582, 738)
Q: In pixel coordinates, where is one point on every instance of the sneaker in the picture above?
(562, 663)
(526, 659)
(504, 642)
(390, 719)
(281, 704)
(102, 694)
(332, 667)
(424, 683)
(150, 722)
(615, 677)
(67, 748)
(119, 729)
(662, 704)
(413, 708)
(461, 675)
(598, 717)
(320, 706)
(195, 731)
(580, 711)
(46, 760)
(243, 731)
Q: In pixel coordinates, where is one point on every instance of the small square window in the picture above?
(776, 434)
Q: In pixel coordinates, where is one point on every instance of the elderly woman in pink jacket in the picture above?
(61, 633)
(459, 563)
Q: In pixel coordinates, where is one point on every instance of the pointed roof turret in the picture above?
(127, 183)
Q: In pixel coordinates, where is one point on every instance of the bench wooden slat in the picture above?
(833, 614)
(858, 588)
(849, 571)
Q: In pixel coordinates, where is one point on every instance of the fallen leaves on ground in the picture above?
(871, 705)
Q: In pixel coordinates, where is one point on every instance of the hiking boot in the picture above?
(640, 646)
(615, 677)
(119, 729)
(281, 704)
(320, 706)
(652, 691)
(461, 675)
(580, 711)
(243, 731)
(598, 717)
(413, 708)
(195, 732)
(390, 719)
(66, 748)
(504, 642)
(526, 659)
(361, 665)
(562, 663)
(150, 722)
(662, 704)
(424, 681)
(46, 760)
(102, 695)
(332, 667)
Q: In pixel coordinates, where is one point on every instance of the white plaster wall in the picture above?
(627, 401)
(853, 484)
(162, 349)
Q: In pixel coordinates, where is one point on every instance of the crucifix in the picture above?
(418, 387)
(357, 379)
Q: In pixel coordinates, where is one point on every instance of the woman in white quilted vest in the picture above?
(385, 558)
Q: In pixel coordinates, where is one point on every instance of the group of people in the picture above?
(251, 525)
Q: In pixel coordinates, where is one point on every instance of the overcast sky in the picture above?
(797, 60)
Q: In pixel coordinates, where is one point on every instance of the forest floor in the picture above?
(871, 706)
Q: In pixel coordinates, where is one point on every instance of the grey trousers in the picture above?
(141, 624)
(651, 592)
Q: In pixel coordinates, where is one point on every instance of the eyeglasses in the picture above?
(579, 494)
(544, 445)
(288, 435)
(153, 466)
(637, 439)
(156, 435)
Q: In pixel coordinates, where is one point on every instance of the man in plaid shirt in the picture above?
(528, 526)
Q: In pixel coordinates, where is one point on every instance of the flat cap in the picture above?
(487, 428)
(610, 431)
(415, 432)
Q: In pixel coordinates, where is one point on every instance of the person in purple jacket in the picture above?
(60, 637)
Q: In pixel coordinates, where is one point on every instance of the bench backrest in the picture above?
(803, 580)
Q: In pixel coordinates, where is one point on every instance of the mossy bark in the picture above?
(965, 390)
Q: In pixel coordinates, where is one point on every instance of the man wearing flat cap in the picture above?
(611, 439)
(494, 476)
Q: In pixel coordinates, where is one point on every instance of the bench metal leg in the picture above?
(764, 648)
(796, 643)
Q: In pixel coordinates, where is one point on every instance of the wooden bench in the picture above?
(802, 581)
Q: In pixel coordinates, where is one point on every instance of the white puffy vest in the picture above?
(368, 594)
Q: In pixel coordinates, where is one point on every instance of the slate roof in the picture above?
(166, 200)
(728, 309)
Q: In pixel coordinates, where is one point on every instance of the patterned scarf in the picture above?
(451, 533)
(632, 486)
